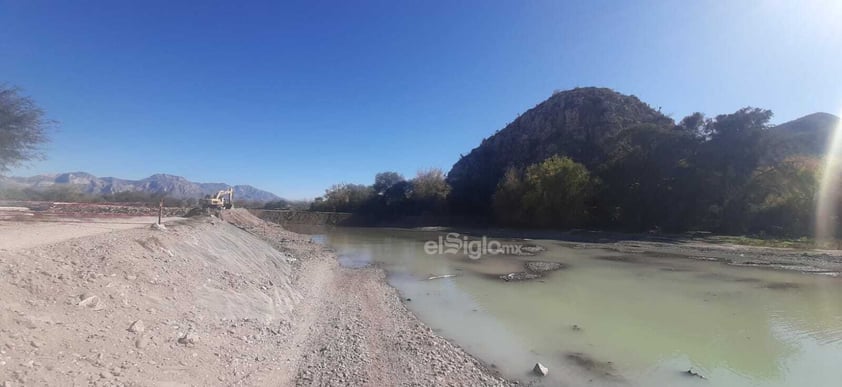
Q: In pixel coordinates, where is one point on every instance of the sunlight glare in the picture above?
(828, 191)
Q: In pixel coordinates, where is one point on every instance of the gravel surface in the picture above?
(210, 302)
(356, 331)
(828, 262)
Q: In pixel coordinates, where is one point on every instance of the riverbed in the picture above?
(613, 318)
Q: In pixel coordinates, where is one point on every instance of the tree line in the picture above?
(716, 174)
(391, 196)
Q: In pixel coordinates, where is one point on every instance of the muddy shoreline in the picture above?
(821, 262)
(705, 248)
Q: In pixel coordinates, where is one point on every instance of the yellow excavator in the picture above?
(222, 199)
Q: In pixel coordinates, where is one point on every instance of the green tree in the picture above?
(781, 198)
(343, 198)
(428, 193)
(385, 180)
(508, 199)
(552, 193)
(648, 182)
(557, 190)
(726, 162)
(23, 128)
(430, 184)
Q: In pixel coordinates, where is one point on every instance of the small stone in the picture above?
(88, 300)
(35, 344)
(190, 338)
(519, 276)
(540, 370)
(141, 342)
(137, 327)
(105, 375)
(692, 373)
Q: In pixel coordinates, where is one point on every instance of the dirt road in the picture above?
(208, 302)
(26, 234)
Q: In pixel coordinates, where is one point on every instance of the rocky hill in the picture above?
(806, 136)
(649, 171)
(578, 123)
(172, 186)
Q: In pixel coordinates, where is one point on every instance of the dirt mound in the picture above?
(212, 299)
(208, 302)
(242, 218)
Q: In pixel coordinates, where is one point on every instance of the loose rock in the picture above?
(540, 369)
(690, 372)
(519, 276)
(543, 266)
(137, 327)
(141, 342)
(188, 339)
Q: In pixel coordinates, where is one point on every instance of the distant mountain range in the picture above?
(172, 186)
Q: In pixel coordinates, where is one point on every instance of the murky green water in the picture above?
(612, 318)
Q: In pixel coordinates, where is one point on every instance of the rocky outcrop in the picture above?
(534, 270)
(543, 266)
(579, 123)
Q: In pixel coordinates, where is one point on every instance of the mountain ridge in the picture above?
(173, 186)
(809, 135)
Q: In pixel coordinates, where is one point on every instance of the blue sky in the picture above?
(295, 96)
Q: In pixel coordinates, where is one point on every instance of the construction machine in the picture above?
(222, 199)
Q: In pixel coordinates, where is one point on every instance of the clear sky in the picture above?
(292, 97)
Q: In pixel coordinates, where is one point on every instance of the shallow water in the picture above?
(614, 318)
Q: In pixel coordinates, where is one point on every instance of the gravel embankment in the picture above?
(355, 330)
(206, 303)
